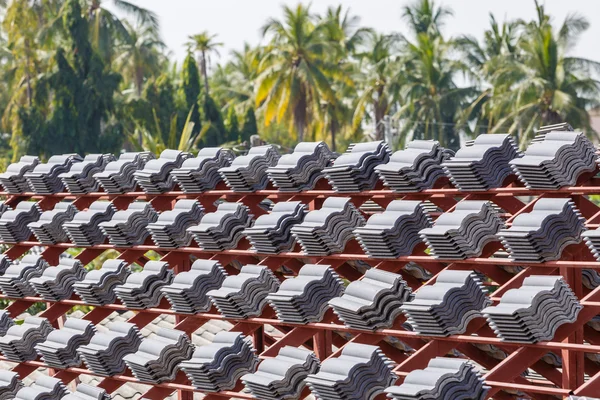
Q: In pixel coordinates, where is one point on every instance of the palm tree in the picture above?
(424, 17)
(204, 44)
(139, 55)
(343, 29)
(546, 85)
(295, 71)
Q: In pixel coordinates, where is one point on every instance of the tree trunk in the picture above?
(139, 80)
(204, 71)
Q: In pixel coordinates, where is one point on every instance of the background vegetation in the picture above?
(76, 78)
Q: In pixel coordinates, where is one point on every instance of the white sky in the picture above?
(239, 21)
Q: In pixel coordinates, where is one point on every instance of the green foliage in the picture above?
(190, 88)
(232, 126)
(249, 126)
(216, 133)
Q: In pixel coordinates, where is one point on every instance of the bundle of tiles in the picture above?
(219, 365)
(13, 179)
(87, 392)
(13, 223)
(464, 232)
(80, 178)
(128, 227)
(394, 232)
(249, 173)
(326, 231)
(98, 286)
(105, 353)
(483, 163)
(533, 312)
(170, 229)
(156, 176)
(45, 178)
(556, 159)
(416, 168)
(5, 322)
(59, 350)
(542, 234)
(245, 294)
(272, 232)
(5, 262)
(142, 289)
(354, 171)
(15, 281)
(443, 379)
(446, 307)
(201, 173)
(222, 229)
(372, 302)
(10, 384)
(19, 343)
(590, 278)
(361, 372)
(282, 377)
(304, 298)
(188, 293)
(157, 359)
(48, 229)
(84, 229)
(117, 177)
(301, 169)
(56, 283)
(44, 388)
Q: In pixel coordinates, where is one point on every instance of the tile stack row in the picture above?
(18, 344)
(201, 173)
(249, 173)
(45, 177)
(56, 283)
(80, 177)
(98, 286)
(14, 223)
(44, 388)
(127, 227)
(10, 384)
(84, 229)
(13, 180)
(169, 231)
(142, 289)
(59, 350)
(156, 177)
(117, 177)
(222, 229)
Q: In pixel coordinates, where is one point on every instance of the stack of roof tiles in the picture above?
(117, 177)
(219, 365)
(245, 294)
(5, 262)
(170, 229)
(80, 178)
(556, 159)
(19, 342)
(98, 286)
(56, 283)
(361, 372)
(44, 388)
(446, 307)
(483, 163)
(326, 231)
(394, 232)
(304, 298)
(201, 173)
(354, 171)
(415, 168)
(592, 240)
(105, 353)
(188, 293)
(534, 312)
(157, 358)
(372, 302)
(222, 229)
(249, 173)
(155, 177)
(10, 384)
(282, 377)
(5, 322)
(59, 350)
(301, 169)
(13, 179)
(464, 232)
(142, 289)
(87, 392)
(127, 228)
(48, 229)
(13, 223)
(15, 281)
(84, 229)
(45, 178)
(443, 379)
(542, 234)
(272, 232)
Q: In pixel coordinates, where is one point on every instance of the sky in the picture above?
(239, 21)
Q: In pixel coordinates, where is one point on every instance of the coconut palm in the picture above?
(204, 44)
(295, 70)
(424, 17)
(546, 84)
(345, 30)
